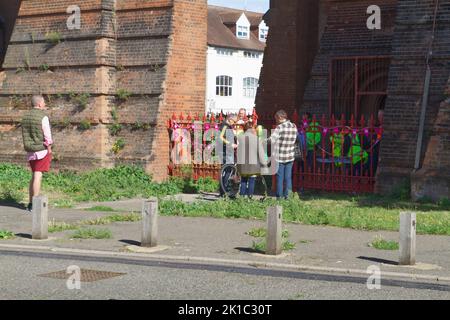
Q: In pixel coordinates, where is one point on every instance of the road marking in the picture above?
(258, 264)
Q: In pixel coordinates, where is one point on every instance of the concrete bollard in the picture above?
(407, 238)
(40, 218)
(274, 224)
(150, 223)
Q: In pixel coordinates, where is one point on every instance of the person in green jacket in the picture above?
(313, 138)
(358, 155)
(337, 141)
(37, 141)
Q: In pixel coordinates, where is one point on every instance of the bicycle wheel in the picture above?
(230, 180)
(265, 189)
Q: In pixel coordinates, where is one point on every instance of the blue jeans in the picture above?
(248, 186)
(284, 179)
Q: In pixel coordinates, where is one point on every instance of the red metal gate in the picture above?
(358, 86)
(340, 150)
(339, 155)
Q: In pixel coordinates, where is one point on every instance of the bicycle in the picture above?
(230, 182)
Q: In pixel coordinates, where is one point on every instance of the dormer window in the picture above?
(263, 31)
(243, 28)
(242, 32)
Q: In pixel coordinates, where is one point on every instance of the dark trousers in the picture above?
(248, 186)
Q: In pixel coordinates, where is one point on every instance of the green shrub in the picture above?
(53, 37)
(261, 244)
(381, 244)
(5, 235)
(14, 181)
(100, 209)
(64, 123)
(115, 129)
(85, 125)
(118, 146)
(81, 100)
(444, 203)
(123, 94)
(140, 126)
(54, 226)
(114, 114)
(44, 67)
(91, 233)
(17, 101)
(402, 191)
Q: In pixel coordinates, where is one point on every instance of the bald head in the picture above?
(38, 101)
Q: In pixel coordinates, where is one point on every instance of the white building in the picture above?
(236, 43)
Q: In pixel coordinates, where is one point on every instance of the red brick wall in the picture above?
(154, 50)
(406, 84)
(433, 179)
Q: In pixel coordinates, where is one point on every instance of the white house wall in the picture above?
(236, 66)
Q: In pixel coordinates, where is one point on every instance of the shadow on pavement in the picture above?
(24, 235)
(249, 250)
(378, 260)
(131, 242)
(12, 204)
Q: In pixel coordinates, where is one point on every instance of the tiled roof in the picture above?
(220, 34)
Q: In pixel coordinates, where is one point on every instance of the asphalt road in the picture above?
(146, 279)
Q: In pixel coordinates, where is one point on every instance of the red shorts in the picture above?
(42, 165)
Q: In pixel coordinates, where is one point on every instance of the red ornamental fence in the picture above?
(339, 155)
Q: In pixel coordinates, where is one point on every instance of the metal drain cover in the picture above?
(86, 275)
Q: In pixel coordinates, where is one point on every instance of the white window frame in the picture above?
(251, 54)
(243, 32)
(243, 27)
(224, 86)
(224, 52)
(263, 31)
(250, 87)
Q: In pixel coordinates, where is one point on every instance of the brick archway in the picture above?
(9, 10)
(358, 86)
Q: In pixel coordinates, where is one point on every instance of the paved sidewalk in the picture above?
(317, 246)
(135, 205)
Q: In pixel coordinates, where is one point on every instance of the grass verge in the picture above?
(91, 233)
(100, 209)
(338, 211)
(54, 226)
(122, 182)
(382, 244)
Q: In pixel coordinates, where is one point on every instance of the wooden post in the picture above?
(40, 218)
(407, 238)
(150, 223)
(274, 221)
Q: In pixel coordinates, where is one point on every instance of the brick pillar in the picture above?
(185, 82)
